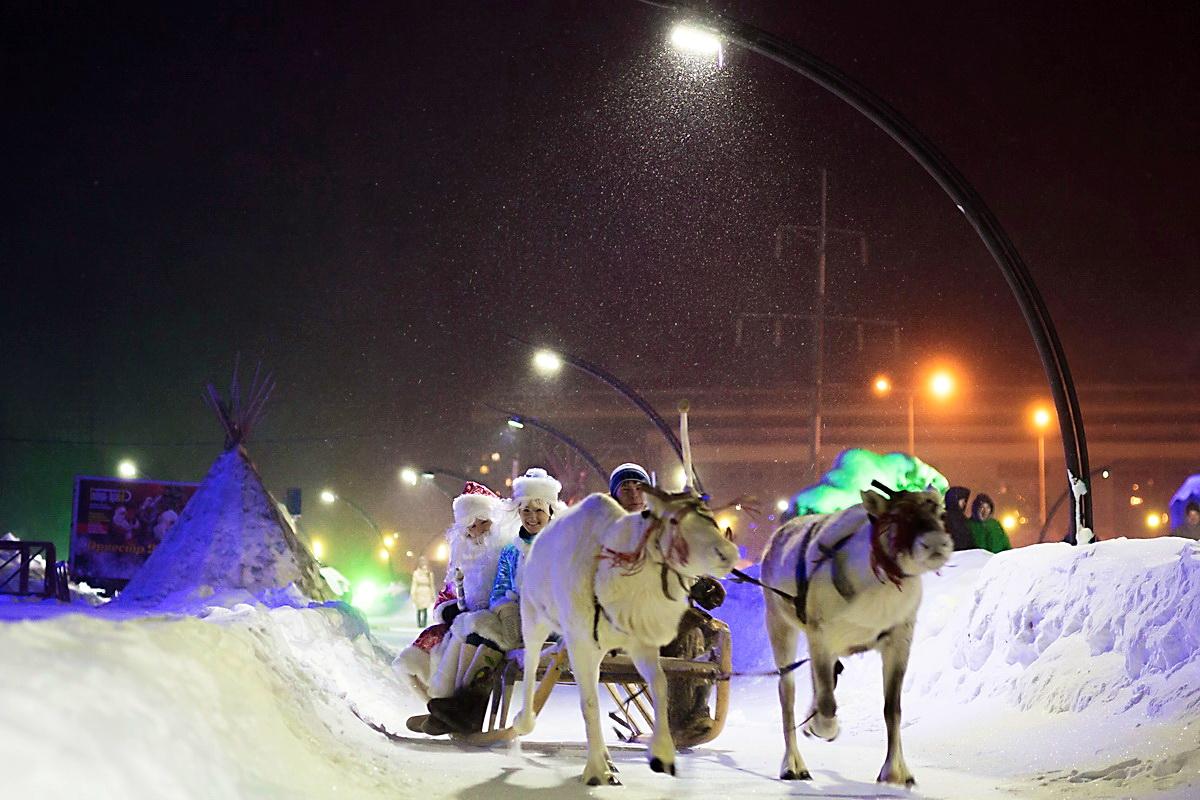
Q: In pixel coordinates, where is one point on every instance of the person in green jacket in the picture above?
(987, 532)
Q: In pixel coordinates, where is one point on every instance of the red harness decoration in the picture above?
(631, 562)
(882, 563)
(677, 551)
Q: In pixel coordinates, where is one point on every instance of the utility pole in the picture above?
(819, 370)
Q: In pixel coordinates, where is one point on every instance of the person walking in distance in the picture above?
(421, 591)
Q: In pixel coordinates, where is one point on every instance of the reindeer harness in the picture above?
(631, 562)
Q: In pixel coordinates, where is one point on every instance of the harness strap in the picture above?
(596, 619)
(841, 581)
(800, 601)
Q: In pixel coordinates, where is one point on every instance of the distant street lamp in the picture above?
(127, 469)
(522, 420)
(615, 384)
(941, 385)
(409, 476)
(329, 497)
(1041, 421)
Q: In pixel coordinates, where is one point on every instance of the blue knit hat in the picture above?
(626, 472)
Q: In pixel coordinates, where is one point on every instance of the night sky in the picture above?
(368, 200)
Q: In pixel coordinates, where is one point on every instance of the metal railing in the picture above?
(17, 559)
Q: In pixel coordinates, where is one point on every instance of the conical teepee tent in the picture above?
(231, 535)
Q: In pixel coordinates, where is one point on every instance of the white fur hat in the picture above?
(476, 502)
(534, 486)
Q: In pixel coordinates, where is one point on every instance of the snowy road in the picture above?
(1048, 672)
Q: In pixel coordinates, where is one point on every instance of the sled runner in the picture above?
(625, 685)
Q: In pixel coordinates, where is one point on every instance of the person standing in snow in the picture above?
(535, 497)
(956, 518)
(1190, 527)
(421, 591)
(985, 530)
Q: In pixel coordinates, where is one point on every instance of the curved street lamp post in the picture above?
(965, 198)
(629, 394)
(523, 419)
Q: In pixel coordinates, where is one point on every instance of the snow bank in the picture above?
(247, 702)
(1057, 628)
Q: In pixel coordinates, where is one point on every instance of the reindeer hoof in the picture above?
(908, 782)
(823, 728)
(790, 775)
(657, 765)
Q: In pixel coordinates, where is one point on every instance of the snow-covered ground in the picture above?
(1048, 671)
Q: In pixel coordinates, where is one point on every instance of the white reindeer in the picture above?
(856, 580)
(604, 580)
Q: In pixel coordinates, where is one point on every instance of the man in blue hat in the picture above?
(625, 486)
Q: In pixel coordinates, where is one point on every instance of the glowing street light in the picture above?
(127, 469)
(318, 549)
(442, 552)
(389, 541)
(384, 554)
(1153, 520)
(1041, 421)
(782, 505)
(518, 421)
(547, 362)
(409, 476)
(1009, 522)
(599, 373)
(697, 42)
(329, 497)
(941, 384)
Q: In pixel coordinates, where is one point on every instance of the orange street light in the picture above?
(1041, 418)
(941, 384)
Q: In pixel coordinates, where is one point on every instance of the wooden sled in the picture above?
(620, 677)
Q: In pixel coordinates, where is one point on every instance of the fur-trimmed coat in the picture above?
(505, 588)
(478, 562)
